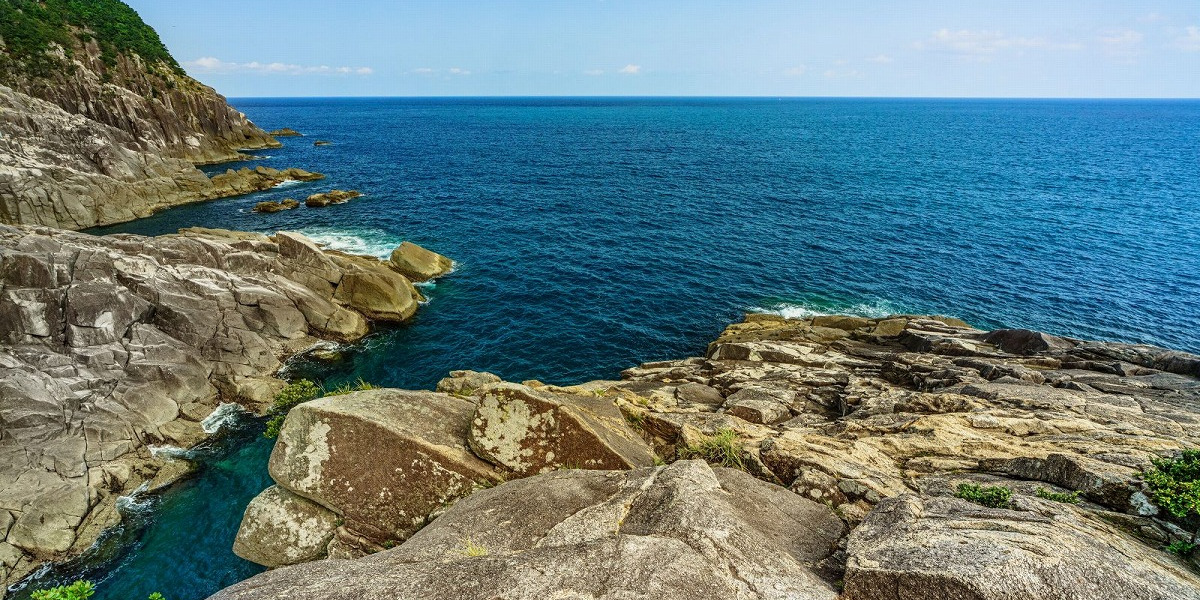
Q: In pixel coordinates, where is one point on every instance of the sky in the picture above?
(960, 48)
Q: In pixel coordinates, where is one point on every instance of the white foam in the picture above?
(169, 452)
(792, 310)
(226, 414)
(372, 242)
(288, 183)
(133, 502)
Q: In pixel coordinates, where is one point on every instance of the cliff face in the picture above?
(98, 124)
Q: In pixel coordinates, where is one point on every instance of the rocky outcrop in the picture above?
(111, 344)
(881, 421)
(331, 197)
(419, 264)
(286, 132)
(93, 133)
(271, 206)
(680, 531)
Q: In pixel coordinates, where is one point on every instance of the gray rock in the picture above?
(683, 531)
(280, 528)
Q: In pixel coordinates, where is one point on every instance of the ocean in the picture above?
(591, 234)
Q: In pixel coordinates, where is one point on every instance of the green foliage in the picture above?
(295, 393)
(347, 388)
(995, 496)
(1066, 498)
(723, 448)
(1175, 484)
(76, 591)
(29, 27)
(1180, 548)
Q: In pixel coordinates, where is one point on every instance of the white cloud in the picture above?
(631, 69)
(458, 71)
(881, 59)
(1190, 41)
(982, 44)
(209, 64)
(1124, 38)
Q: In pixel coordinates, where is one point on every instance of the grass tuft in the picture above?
(723, 448)
(996, 496)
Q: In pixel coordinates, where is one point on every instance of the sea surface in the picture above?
(594, 234)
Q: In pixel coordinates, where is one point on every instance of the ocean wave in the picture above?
(807, 310)
(137, 501)
(226, 414)
(372, 242)
(287, 183)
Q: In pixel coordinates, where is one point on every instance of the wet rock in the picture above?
(322, 143)
(286, 132)
(270, 206)
(331, 197)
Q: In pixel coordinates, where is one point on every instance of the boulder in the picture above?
(1024, 341)
(681, 531)
(419, 264)
(286, 132)
(280, 528)
(322, 143)
(936, 548)
(384, 460)
(464, 383)
(529, 431)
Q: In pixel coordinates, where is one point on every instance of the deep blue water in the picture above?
(593, 234)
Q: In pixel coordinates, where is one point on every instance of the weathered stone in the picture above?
(939, 548)
(384, 460)
(331, 197)
(419, 264)
(280, 528)
(465, 383)
(270, 206)
(531, 431)
(1024, 341)
(682, 531)
(286, 132)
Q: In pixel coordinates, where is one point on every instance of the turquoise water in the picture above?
(593, 234)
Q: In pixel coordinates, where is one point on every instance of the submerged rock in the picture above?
(681, 531)
(286, 132)
(322, 143)
(419, 264)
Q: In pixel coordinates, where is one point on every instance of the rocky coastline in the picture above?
(847, 459)
(112, 345)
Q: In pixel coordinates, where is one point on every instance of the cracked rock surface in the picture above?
(109, 345)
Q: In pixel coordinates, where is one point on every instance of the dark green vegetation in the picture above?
(80, 590)
(29, 27)
(1180, 548)
(994, 496)
(301, 391)
(1175, 484)
(1066, 498)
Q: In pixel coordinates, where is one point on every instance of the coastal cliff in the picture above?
(112, 346)
(98, 122)
(850, 458)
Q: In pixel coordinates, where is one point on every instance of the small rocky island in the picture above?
(833, 457)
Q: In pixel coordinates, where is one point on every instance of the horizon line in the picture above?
(706, 96)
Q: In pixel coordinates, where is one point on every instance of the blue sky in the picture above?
(1019, 48)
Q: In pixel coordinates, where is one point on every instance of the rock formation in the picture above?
(271, 206)
(109, 345)
(419, 264)
(880, 422)
(331, 197)
(681, 531)
(97, 130)
(286, 132)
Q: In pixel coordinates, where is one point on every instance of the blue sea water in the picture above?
(593, 234)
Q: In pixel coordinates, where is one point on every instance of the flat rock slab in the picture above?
(934, 548)
(681, 531)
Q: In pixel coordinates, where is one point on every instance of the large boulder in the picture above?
(419, 264)
(384, 460)
(937, 548)
(681, 531)
(531, 431)
(280, 528)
